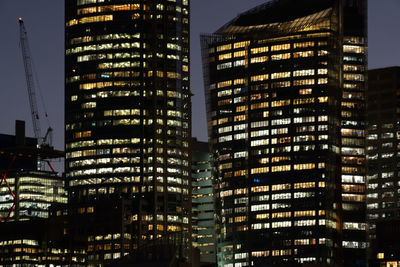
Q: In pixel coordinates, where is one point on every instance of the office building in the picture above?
(36, 242)
(203, 204)
(27, 193)
(285, 96)
(128, 125)
(383, 206)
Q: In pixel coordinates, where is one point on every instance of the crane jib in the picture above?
(30, 83)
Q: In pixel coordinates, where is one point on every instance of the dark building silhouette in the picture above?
(383, 206)
(128, 126)
(10, 142)
(285, 93)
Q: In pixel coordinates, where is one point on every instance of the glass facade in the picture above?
(383, 144)
(25, 201)
(203, 203)
(284, 85)
(128, 121)
(34, 193)
(27, 193)
(383, 183)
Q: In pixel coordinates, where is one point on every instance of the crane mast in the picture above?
(30, 83)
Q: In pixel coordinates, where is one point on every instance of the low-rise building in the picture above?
(27, 192)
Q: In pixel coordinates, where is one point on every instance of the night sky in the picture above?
(44, 20)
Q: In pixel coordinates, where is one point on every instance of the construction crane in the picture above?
(31, 86)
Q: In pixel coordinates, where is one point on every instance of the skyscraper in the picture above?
(128, 124)
(284, 86)
(383, 137)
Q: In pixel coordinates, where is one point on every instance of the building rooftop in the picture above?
(199, 146)
(279, 14)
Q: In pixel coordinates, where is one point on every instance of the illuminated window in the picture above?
(286, 214)
(359, 68)
(303, 101)
(307, 91)
(224, 47)
(225, 56)
(279, 187)
(279, 131)
(258, 59)
(301, 223)
(259, 78)
(239, 118)
(303, 54)
(264, 188)
(262, 216)
(280, 56)
(304, 185)
(259, 133)
(303, 82)
(281, 196)
(259, 170)
(282, 224)
(224, 102)
(95, 19)
(282, 121)
(280, 75)
(259, 50)
(224, 66)
(354, 226)
(224, 84)
(238, 63)
(259, 105)
(303, 194)
(259, 226)
(240, 219)
(280, 47)
(225, 138)
(303, 45)
(323, 99)
(281, 168)
(308, 72)
(322, 53)
(239, 53)
(260, 207)
(353, 49)
(239, 81)
(241, 44)
(304, 119)
(111, 8)
(354, 77)
(322, 71)
(353, 197)
(280, 103)
(304, 213)
(323, 80)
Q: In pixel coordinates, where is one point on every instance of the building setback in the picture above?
(203, 203)
(128, 126)
(383, 206)
(285, 86)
